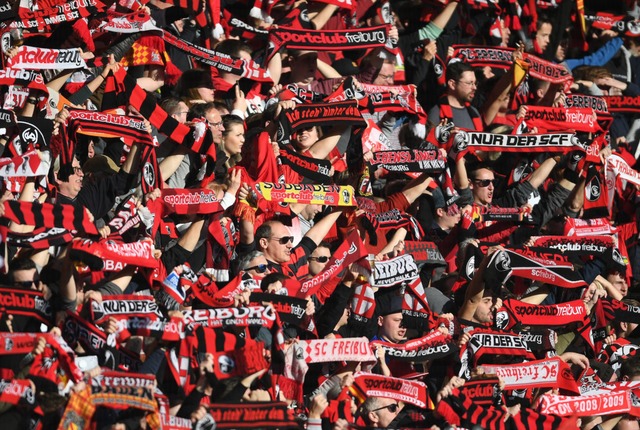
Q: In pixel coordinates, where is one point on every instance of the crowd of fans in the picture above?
(242, 214)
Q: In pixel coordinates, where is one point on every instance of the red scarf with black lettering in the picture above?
(558, 315)
(479, 56)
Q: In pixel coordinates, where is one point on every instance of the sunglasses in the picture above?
(26, 284)
(322, 259)
(482, 183)
(260, 268)
(393, 408)
(283, 240)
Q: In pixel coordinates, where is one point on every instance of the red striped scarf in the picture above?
(73, 218)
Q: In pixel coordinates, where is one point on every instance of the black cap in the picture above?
(388, 301)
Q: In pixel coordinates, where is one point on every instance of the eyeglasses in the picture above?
(393, 408)
(26, 284)
(321, 259)
(469, 84)
(184, 112)
(283, 240)
(215, 124)
(482, 183)
(385, 77)
(260, 268)
(77, 170)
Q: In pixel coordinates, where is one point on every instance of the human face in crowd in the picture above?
(233, 140)
(258, 267)
(619, 282)
(71, 188)
(543, 36)
(26, 279)
(390, 327)
(206, 94)
(465, 87)
(315, 264)
(386, 74)
(484, 311)
(483, 187)
(180, 115)
(306, 137)
(386, 413)
(304, 67)
(310, 211)
(275, 250)
(448, 217)
(215, 124)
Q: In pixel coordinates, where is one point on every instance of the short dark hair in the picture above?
(199, 110)
(233, 47)
(474, 170)
(542, 19)
(264, 231)
(456, 69)
(630, 367)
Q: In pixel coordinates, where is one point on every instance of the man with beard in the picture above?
(455, 104)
